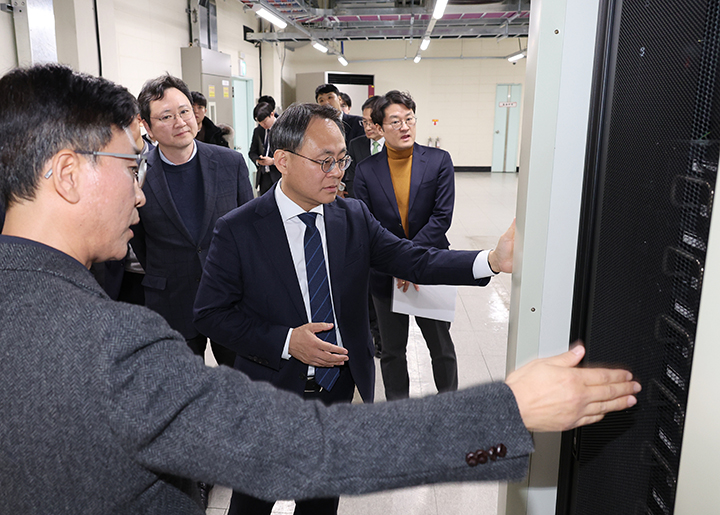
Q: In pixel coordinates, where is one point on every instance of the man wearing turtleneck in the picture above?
(410, 189)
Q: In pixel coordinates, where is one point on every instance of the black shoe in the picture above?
(204, 494)
(378, 348)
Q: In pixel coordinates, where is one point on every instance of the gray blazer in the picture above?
(104, 408)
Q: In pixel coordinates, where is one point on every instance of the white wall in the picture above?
(454, 83)
(8, 55)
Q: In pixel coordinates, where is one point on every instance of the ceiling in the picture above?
(343, 20)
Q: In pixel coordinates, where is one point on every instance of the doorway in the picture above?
(506, 130)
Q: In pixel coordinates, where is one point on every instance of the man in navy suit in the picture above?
(352, 125)
(256, 292)
(364, 146)
(189, 185)
(410, 189)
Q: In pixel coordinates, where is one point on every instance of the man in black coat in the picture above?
(208, 132)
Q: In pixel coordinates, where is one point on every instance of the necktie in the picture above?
(319, 292)
(266, 144)
(376, 148)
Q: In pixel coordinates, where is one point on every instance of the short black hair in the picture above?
(289, 130)
(323, 89)
(345, 98)
(391, 97)
(370, 102)
(49, 107)
(262, 111)
(154, 89)
(198, 99)
(268, 100)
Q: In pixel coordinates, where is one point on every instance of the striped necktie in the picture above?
(319, 292)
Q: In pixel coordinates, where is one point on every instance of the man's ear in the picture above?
(66, 172)
(281, 161)
(148, 130)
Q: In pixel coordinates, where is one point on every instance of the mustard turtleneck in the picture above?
(400, 163)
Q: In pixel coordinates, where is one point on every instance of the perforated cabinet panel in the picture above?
(648, 198)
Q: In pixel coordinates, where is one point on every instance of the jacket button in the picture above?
(471, 459)
(501, 450)
(482, 456)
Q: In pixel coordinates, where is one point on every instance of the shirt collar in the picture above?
(167, 161)
(288, 208)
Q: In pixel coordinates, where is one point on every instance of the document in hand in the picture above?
(435, 301)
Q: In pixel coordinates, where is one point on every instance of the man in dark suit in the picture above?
(364, 146)
(208, 132)
(189, 185)
(256, 294)
(410, 189)
(352, 125)
(102, 402)
(267, 173)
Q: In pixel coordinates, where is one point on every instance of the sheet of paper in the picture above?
(435, 301)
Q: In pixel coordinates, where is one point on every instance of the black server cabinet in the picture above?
(650, 175)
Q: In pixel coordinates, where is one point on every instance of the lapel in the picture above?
(208, 169)
(419, 167)
(384, 178)
(336, 236)
(156, 182)
(270, 232)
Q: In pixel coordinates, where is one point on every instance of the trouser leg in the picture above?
(442, 352)
(393, 361)
(243, 504)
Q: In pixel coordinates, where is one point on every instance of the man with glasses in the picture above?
(262, 284)
(364, 146)
(410, 189)
(189, 185)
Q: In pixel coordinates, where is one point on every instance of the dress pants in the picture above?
(393, 361)
(223, 355)
(243, 504)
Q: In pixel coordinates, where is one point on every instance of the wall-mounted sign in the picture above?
(508, 104)
(211, 91)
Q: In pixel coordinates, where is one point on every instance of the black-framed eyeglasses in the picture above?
(139, 171)
(328, 164)
(397, 124)
(184, 114)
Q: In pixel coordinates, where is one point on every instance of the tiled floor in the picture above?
(484, 208)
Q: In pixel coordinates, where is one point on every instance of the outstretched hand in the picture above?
(501, 257)
(553, 395)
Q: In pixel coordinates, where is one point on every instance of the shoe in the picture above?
(204, 494)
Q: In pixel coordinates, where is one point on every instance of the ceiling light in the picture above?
(516, 57)
(321, 48)
(439, 9)
(417, 59)
(342, 60)
(272, 18)
(425, 43)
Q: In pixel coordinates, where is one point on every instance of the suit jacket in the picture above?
(172, 258)
(257, 149)
(102, 403)
(432, 198)
(249, 296)
(353, 129)
(213, 134)
(359, 150)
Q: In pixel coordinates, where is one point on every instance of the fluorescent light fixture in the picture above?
(342, 60)
(417, 59)
(425, 43)
(318, 46)
(272, 18)
(516, 57)
(440, 6)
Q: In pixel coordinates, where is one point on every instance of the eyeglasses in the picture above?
(139, 172)
(328, 164)
(366, 123)
(397, 124)
(185, 114)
